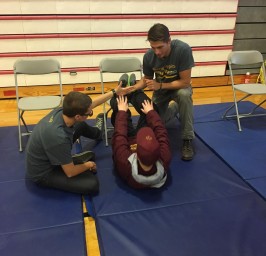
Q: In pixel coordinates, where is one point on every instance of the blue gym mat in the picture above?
(35, 220)
(243, 151)
(231, 226)
(59, 240)
(214, 112)
(12, 164)
(204, 209)
(25, 206)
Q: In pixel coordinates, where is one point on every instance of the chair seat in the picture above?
(39, 102)
(251, 88)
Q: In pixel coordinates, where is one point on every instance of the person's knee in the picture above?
(184, 97)
(184, 93)
(91, 187)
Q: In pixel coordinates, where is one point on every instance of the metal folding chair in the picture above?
(243, 59)
(33, 103)
(117, 65)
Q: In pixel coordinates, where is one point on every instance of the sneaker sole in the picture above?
(187, 158)
(83, 157)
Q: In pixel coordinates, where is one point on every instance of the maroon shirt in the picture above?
(123, 146)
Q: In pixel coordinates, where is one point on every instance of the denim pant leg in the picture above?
(85, 130)
(84, 183)
(136, 99)
(183, 98)
(162, 99)
(185, 107)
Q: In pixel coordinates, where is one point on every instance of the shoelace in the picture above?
(187, 145)
(99, 122)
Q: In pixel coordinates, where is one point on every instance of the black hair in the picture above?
(158, 32)
(76, 103)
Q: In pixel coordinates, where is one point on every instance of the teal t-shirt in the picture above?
(49, 145)
(167, 69)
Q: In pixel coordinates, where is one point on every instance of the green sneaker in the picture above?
(132, 79)
(124, 79)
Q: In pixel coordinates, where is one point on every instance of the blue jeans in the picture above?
(183, 106)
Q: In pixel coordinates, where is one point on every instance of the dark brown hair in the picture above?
(158, 32)
(76, 103)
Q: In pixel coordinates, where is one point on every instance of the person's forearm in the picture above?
(72, 170)
(178, 84)
(102, 98)
(140, 84)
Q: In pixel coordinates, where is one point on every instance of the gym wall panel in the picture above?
(9, 45)
(67, 44)
(93, 59)
(74, 7)
(161, 6)
(245, 31)
(250, 30)
(10, 7)
(36, 45)
(251, 14)
(39, 27)
(80, 33)
(74, 26)
(44, 44)
(119, 6)
(253, 3)
(38, 7)
(11, 27)
(90, 25)
(249, 44)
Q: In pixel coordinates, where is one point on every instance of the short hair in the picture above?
(76, 103)
(158, 32)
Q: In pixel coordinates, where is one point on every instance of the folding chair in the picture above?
(117, 65)
(245, 58)
(33, 103)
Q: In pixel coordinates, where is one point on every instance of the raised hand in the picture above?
(146, 106)
(122, 103)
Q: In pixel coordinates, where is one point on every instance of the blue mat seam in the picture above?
(42, 228)
(174, 205)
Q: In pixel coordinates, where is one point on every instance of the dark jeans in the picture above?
(84, 183)
(136, 99)
(85, 130)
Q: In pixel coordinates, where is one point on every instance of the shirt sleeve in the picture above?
(154, 121)
(121, 146)
(186, 58)
(147, 67)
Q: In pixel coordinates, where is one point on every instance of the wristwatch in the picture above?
(114, 93)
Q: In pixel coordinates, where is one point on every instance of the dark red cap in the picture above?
(148, 148)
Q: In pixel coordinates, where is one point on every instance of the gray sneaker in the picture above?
(187, 150)
(132, 79)
(124, 79)
(83, 157)
(99, 123)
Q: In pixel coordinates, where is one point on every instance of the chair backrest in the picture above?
(245, 57)
(33, 66)
(36, 66)
(120, 65)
